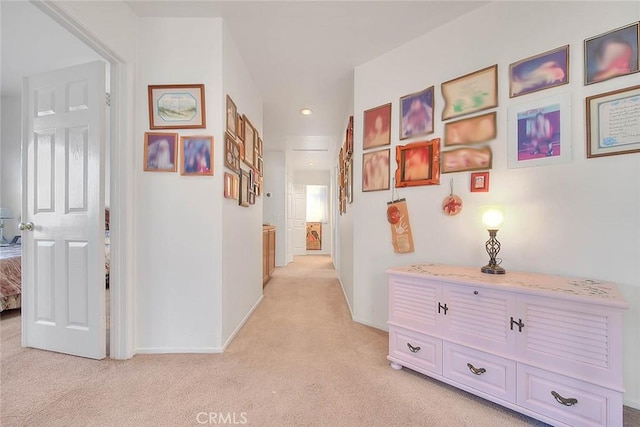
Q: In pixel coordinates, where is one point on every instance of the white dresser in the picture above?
(546, 346)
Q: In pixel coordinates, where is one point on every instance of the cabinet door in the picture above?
(480, 318)
(265, 256)
(272, 251)
(413, 304)
(580, 340)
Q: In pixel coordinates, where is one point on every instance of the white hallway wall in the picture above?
(580, 218)
(275, 207)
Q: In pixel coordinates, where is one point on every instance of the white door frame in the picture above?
(122, 344)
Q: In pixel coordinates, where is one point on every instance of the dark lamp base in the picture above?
(496, 269)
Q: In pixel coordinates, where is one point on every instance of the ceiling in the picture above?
(299, 53)
(302, 54)
(33, 43)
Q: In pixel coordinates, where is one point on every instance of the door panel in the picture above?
(64, 121)
(299, 220)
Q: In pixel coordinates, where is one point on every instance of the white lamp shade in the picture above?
(492, 219)
(6, 213)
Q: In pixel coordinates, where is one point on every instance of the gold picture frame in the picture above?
(177, 106)
(470, 93)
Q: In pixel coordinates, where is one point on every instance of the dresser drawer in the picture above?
(420, 351)
(482, 371)
(584, 404)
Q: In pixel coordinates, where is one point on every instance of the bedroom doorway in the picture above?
(121, 334)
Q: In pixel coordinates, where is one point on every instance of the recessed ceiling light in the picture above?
(306, 112)
(310, 163)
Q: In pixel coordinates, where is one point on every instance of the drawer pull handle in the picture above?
(413, 349)
(563, 400)
(476, 371)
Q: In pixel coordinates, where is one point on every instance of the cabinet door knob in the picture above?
(476, 371)
(566, 401)
(413, 349)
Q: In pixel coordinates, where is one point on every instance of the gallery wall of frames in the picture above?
(175, 107)
(539, 132)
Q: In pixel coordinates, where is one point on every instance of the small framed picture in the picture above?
(260, 166)
(243, 196)
(232, 119)
(177, 107)
(418, 163)
(228, 185)
(474, 130)
(252, 198)
(377, 127)
(375, 170)
(470, 93)
(539, 72)
(540, 132)
(240, 127)
(613, 123)
(416, 114)
(611, 54)
(160, 152)
(250, 138)
(480, 182)
(466, 159)
(197, 155)
(232, 153)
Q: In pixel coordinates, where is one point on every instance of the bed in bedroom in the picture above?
(11, 273)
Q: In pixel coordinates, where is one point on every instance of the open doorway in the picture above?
(312, 220)
(32, 43)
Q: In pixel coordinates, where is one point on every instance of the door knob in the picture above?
(28, 226)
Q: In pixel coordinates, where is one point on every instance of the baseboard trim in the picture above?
(345, 298)
(632, 403)
(178, 350)
(241, 324)
(372, 325)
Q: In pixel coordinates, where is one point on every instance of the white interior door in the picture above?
(299, 219)
(63, 277)
(289, 220)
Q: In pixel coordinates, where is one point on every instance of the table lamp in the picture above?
(5, 213)
(492, 219)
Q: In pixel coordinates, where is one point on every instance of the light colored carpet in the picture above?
(299, 361)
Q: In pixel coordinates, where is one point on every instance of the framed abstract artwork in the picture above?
(612, 54)
(470, 93)
(540, 132)
(539, 72)
(418, 163)
(177, 107)
(250, 138)
(613, 123)
(197, 155)
(416, 114)
(466, 159)
(474, 130)
(377, 127)
(160, 152)
(375, 170)
(480, 182)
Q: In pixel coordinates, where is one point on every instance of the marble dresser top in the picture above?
(585, 290)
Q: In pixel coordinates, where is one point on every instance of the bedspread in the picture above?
(10, 277)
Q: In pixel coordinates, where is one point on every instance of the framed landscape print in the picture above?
(375, 170)
(232, 119)
(197, 155)
(466, 159)
(160, 152)
(613, 123)
(480, 182)
(416, 114)
(540, 132)
(611, 54)
(474, 130)
(470, 93)
(539, 72)
(177, 107)
(232, 155)
(250, 136)
(418, 163)
(377, 127)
